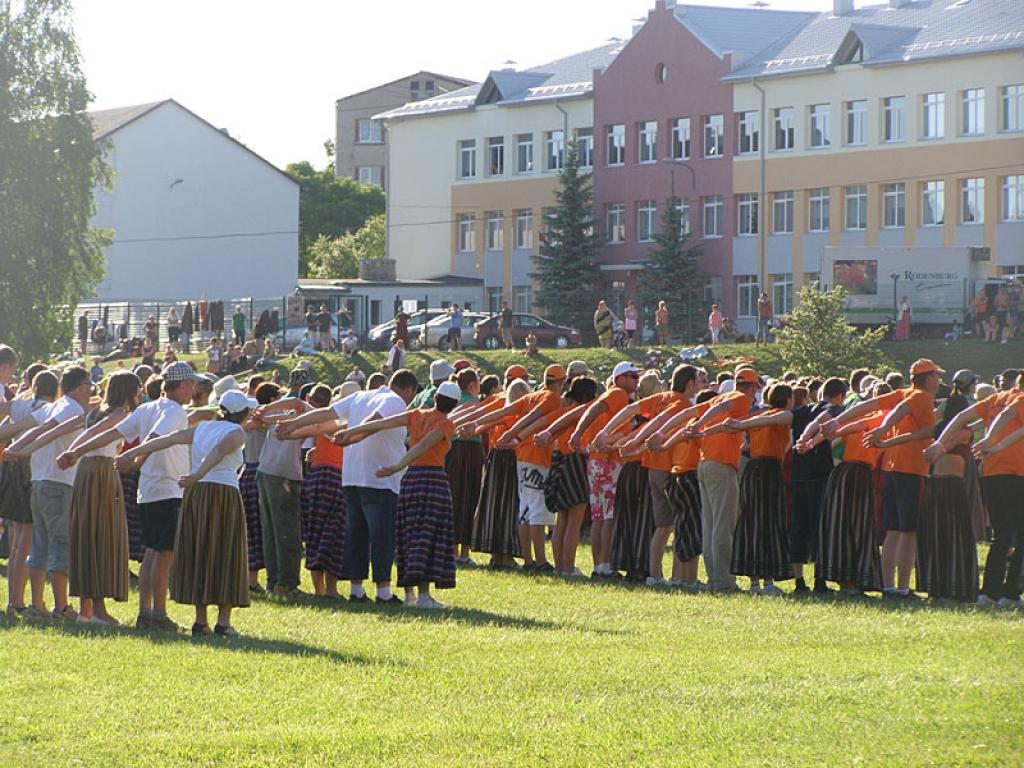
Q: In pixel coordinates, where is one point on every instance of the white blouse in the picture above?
(205, 438)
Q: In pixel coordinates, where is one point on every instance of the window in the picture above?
(746, 210)
(648, 138)
(972, 201)
(495, 231)
(746, 296)
(1016, 270)
(856, 207)
(749, 128)
(1013, 198)
(554, 157)
(894, 211)
(812, 278)
(369, 174)
(714, 129)
(585, 147)
(661, 73)
(817, 207)
(428, 85)
(646, 210)
(524, 228)
(494, 299)
(856, 122)
(616, 144)
(1012, 108)
(821, 128)
(893, 108)
(680, 138)
(615, 219)
(784, 134)
(934, 117)
(973, 112)
(467, 232)
(933, 203)
(368, 132)
(713, 209)
(524, 153)
(521, 298)
(496, 156)
(414, 85)
(683, 209)
(713, 290)
(467, 158)
(782, 293)
(782, 207)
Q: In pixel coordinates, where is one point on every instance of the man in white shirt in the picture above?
(371, 500)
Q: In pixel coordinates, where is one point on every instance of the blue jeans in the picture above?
(369, 533)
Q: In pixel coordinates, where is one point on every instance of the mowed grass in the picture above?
(527, 671)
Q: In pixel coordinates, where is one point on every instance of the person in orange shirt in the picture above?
(424, 520)
(760, 547)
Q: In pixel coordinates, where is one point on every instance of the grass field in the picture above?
(527, 670)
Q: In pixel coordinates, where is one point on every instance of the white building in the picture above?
(193, 210)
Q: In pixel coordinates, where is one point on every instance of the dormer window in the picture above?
(851, 50)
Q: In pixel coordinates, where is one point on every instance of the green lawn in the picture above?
(527, 671)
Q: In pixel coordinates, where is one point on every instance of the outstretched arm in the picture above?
(594, 410)
(764, 420)
(317, 416)
(371, 426)
(181, 437)
(228, 444)
(29, 443)
(429, 441)
(558, 426)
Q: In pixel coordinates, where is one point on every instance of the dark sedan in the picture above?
(487, 333)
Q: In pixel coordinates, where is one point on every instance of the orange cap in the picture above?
(747, 376)
(516, 372)
(924, 365)
(554, 372)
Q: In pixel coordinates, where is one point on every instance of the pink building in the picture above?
(664, 121)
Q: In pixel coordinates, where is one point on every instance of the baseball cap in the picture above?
(458, 365)
(298, 377)
(577, 368)
(622, 368)
(747, 376)
(223, 386)
(516, 372)
(440, 369)
(924, 365)
(450, 390)
(180, 371)
(964, 377)
(235, 401)
(554, 372)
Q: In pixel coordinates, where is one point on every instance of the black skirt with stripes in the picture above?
(425, 529)
(634, 521)
(464, 465)
(947, 555)
(684, 496)
(133, 517)
(567, 485)
(847, 551)
(760, 548)
(494, 525)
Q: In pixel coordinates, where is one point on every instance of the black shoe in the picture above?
(821, 587)
(801, 588)
(544, 567)
(361, 599)
(220, 629)
(391, 600)
(530, 567)
(199, 630)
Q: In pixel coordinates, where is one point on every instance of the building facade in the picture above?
(360, 144)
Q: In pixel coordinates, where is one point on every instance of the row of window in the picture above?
(522, 299)
(553, 147)
(494, 230)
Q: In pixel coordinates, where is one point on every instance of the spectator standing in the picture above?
(632, 318)
(238, 325)
(506, 325)
(173, 324)
(764, 318)
(402, 327)
(603, 319)
(213, 356)
(661, 323)
(150, 329)
(454, 329)
(323, 324)
(715, 321)
(903, 323)
(979, 308)
(396, 355)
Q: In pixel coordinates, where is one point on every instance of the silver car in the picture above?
(435, 333)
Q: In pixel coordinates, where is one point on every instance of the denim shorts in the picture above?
(901, 501)
(51, 505)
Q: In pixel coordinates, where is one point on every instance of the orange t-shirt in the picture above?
(655, 405)
(616, 399)
(421, 423)
(686, 454)
(562, 441)
(550, 403)
(853, 443)
(327, 452)
(725, 447)
(1011, 460)
(770, 442)
(909, 457)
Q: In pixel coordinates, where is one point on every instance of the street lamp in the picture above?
(895, 302)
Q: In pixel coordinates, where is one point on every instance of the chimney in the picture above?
(377, 270)
(842, 7)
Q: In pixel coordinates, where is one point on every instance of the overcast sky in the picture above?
(270, 71)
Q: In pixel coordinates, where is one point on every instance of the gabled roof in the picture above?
(738, 30)
(422, 73)
(919, 30)
(505, 84)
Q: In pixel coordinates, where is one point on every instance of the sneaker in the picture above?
(410, 601)
(199, 630)
(389, 601)
(109, 621)
(575, 573)
(13, 612)
(822, 588)
(465, 562)
(34, 614)
(220, 629)
(529, 567)
(143, 622)
(694, 587)
(1010, 604)
(164, 624)
(983, 600)
(650, 581)
(771, 590)
(363, 598)
(754, 589)
(69, 615)
(801, 588)
(598, 575)
(544, 567)
(428, 602)
(257, 591)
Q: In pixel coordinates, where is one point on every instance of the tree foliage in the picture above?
(330, 207)
(340, 257)
(671, 274)
(818, 340)
(567, 271)
(50, 167)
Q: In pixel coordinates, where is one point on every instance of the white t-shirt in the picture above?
(21, 409)
(206, 436)
(254, 440)
(44, 461)
(158, 478)
(383, 449)
(282, 458)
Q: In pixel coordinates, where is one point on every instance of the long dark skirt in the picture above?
(634, 521)
(847, 551)
(323, 518)
(425, 530)
(566, 485)
(494, 525)
(947, 555)
(253, 528)
(972, 482)
(684, 496)
(464, 465)
(760, 548)
(132, 515)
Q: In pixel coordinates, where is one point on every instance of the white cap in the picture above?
(223, 386)
(236, 401)
(440, 369)
(624, 367)
(451, 390)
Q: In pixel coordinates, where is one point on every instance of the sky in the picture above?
(270, 71)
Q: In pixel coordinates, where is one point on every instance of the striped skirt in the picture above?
(15, 491)
(634, 521)
(323, 518)
(947, 554)
(98, 534)
(566, 485)
(132, 515)
(464, 465)
(425, 530)
(847, 551)
(684, 496)
(253, 528)
(760, 548)
(494, 525)
(210, 566)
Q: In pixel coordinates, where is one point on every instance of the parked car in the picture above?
(292, 335)
(379, 336)
(487, 333)
(435, 333)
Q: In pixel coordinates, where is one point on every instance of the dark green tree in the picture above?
(566, 269)
(671, 274)
(50, 167)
